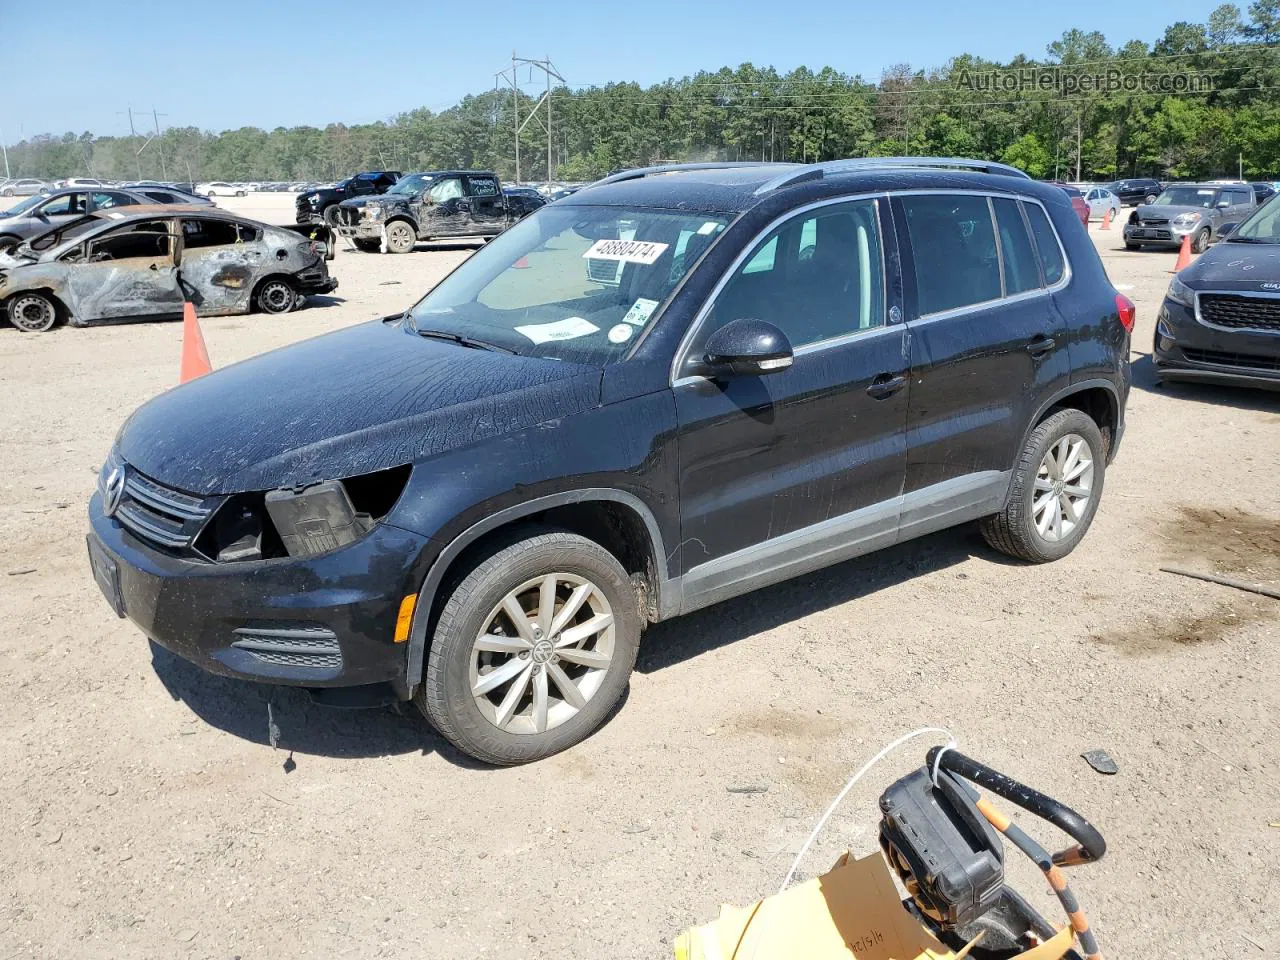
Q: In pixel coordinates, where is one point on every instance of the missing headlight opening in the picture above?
(301, 522)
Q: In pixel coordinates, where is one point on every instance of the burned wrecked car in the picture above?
(146, 262)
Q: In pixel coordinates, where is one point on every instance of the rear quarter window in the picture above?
(1047, 247)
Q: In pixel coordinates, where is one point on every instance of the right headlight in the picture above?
(1179, 292)
(1185, 221)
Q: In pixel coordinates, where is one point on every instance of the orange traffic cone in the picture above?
(1106, 220)
(521, 264)
(1184, 255)
(195, 358)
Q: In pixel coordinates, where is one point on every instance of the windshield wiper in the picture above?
(474, 342)
(1250, 240)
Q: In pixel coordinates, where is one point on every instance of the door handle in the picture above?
(1041, 345)
(886, 385)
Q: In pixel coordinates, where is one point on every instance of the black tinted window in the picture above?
(955, 251)
(1021, 273)
(1046, 244)
(815, 277)
(207, 233)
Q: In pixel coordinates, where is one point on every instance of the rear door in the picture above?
(126, 272)
(987, 345)
(221, 261)
(487, 206)
(798, 468)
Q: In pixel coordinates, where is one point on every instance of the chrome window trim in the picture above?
(1259, 295)
(687, 340)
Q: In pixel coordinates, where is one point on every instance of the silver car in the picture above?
(148, 261)
(25, 188)
(1195, 210)
(1100, 200)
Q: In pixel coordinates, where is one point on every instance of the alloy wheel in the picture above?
(543, 653)
(1064, 487)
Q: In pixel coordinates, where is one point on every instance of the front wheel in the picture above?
(532, 650)
(369, 246)
(7, 244)
(400, 237)
(1055, 490)
(33, 312)
(1201, 242)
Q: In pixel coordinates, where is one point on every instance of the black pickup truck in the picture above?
(319, 206)
(431, 205)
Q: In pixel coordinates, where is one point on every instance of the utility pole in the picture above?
(509, 74)
(5, 150)
(164, 170)
(1240, 171)
(1079, 119)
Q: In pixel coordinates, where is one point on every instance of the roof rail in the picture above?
(641, 172)
(816, 171)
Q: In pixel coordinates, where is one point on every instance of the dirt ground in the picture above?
(144, 813)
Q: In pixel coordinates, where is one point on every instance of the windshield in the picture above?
(1187, 197)
(1261, 226)
(27, 204)
(59, 235)
(570, 283)
(411, 184)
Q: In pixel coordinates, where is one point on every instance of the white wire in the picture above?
(951, 742)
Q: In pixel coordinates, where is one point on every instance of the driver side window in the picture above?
(67, 204)
(450, 189)
(816, 277)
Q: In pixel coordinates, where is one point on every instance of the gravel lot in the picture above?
(145, 814)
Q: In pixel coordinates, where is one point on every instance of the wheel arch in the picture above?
(619, 521)
(64, 312)
(1098, 399)
(402, 218)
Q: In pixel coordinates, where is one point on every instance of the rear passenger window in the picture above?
(816, 277)
(1046, 244)
(1020, 270)
(208, 233)
(955, 251)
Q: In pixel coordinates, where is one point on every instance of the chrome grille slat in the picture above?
(160, 515)
(164, 500)
(131, 516)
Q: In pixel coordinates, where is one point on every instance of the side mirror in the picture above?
(749, 348)
(1225, 231)
(1223, 204)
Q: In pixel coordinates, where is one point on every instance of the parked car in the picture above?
(79, 182)
(479, 503)
(1136, 190)
(1188, 209)
(37, 214)
(143, 262)
(427, 206)
(25, 187)
(1263, 192)
(320, 205)
(1078, 203)
(1220, 321)
(167, 194)
(1102, 201)
(218, 188)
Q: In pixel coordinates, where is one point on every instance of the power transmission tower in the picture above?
(164, 170)
(133, 133)
(509, 75)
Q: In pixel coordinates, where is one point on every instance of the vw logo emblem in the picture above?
(113, 492)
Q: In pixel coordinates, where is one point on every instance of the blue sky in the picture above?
(77, 64)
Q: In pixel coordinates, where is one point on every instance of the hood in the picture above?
(1236, 266)
(366, 398)
(373, 200)
(1151, 211)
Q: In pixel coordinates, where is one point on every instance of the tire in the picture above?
(8, 192)
(33, 313)
(210, 194)
(1115, 213)
(330, 217)
(476, 724)
(8, 243)
(1015, 530)
(276, 296)
(1201, 242)
(1132, 246)
(401, 237)
(369, 246)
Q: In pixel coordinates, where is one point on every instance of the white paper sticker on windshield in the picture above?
(628, 251)
(708, 227)
(568, 329)
(640, 312)
(619, 334)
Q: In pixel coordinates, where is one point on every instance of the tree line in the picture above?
(1202, 101)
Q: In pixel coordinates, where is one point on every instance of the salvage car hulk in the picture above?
(479, 504)
(429, 206)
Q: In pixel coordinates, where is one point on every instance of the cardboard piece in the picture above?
(851, 913)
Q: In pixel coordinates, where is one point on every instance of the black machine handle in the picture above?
(1092, 845)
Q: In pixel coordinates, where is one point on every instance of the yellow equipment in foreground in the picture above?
(944, 841)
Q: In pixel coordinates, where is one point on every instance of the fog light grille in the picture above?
(291, 646)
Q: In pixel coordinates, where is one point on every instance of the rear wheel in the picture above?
(532, 649)
(400, 236)
(276, 296)
(33, 312)
(1201, 242)
(1054, 495)
(8, 243)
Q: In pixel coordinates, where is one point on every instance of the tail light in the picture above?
(1127, 311)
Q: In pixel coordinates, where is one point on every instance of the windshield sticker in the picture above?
(709, 227)
(640, 312)
(627, 251)
(620, 334)
(568, 329)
